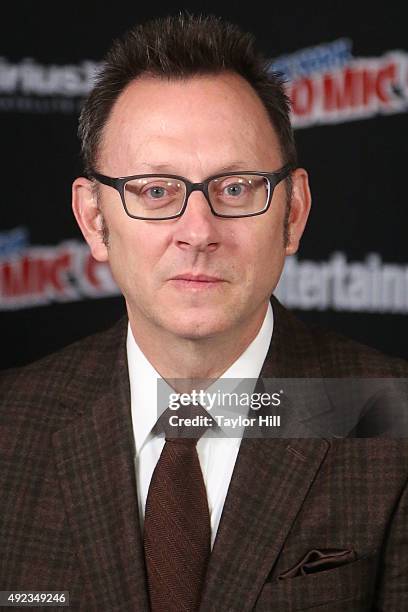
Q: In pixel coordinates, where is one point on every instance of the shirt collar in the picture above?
(143, 377)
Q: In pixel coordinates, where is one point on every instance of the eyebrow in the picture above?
(168, 169)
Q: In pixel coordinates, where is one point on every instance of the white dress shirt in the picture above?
(217, 455)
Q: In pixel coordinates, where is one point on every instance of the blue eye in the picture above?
(234, 189)
(157, 192)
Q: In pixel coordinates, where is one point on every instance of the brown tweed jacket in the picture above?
(308, 524)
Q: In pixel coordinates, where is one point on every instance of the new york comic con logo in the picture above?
(35, 275)
(325, 83)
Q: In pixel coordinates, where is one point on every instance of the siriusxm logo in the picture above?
(28, 86)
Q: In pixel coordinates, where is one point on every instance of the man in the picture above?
(97, 499)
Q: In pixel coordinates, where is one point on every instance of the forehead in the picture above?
(207, 121)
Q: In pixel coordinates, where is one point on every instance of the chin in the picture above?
(196, 328)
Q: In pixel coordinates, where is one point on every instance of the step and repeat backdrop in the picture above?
(347, 76)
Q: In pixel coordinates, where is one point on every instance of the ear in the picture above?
(88, 216)
(299, 209)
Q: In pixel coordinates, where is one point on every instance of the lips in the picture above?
(197, 278)
(196, 282)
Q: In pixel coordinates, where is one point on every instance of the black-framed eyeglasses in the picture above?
(158, 197)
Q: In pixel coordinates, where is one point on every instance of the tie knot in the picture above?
(186, 424)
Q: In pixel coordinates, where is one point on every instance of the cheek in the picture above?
(267, 243)
(136, 238)
(134, 251)
(267, 254)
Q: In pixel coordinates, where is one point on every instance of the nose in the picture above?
(197, 229)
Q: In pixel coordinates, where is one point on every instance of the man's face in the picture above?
(195, 128)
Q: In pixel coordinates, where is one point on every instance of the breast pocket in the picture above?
(348, 588)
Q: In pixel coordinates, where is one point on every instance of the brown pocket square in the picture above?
(319, 560)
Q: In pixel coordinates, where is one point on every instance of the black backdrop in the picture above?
(349, 72)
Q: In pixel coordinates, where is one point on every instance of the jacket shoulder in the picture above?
(340, 356)
(83, 366)
(316, 352)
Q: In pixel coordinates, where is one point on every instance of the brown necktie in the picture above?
(177, 531)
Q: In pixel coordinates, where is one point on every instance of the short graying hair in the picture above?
(178, 47)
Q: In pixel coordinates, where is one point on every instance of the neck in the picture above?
(185, 358)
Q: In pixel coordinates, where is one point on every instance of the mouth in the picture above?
(196, 281)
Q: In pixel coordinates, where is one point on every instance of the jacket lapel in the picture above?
(95, 462)
(270, 481)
